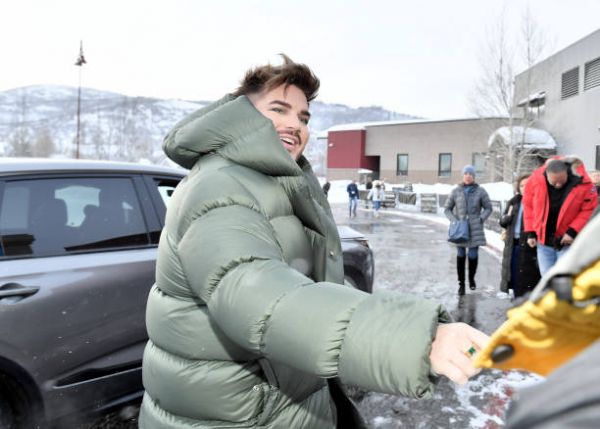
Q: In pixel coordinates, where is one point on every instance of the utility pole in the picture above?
(79, 63)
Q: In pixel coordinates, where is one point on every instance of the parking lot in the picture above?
(412, 256)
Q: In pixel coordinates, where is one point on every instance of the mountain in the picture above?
(42, 121)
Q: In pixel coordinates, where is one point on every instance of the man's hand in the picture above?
(449, 355)
(532, 242)
(566, 240)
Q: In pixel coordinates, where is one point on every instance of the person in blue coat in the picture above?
(352, 190)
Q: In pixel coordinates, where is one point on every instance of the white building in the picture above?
(562, 95)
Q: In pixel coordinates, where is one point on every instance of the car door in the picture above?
(76, 265)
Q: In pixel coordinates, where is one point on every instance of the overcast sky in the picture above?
(418, 57)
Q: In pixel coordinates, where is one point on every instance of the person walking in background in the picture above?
(558, 201)
(377, 195)
(326, 187)
(352, 190)
(368, 187)
(250, 323)
(520, 270)
(469, 201)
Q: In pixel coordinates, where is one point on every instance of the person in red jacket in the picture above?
(558, 201)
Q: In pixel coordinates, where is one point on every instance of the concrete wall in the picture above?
(424, 141)
(342, 174)
(573, 122)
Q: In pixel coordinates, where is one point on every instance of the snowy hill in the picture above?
(42, 121)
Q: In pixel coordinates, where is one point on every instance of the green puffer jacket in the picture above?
(249, 322)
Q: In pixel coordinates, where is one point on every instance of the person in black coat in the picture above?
(520, 270)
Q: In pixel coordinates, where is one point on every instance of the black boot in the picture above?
(472, 271)
(460, 269)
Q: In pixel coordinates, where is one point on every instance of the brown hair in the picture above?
(519, 180)
(268, 77)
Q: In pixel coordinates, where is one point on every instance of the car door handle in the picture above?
(16, 289)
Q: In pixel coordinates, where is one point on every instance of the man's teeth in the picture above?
(286, 140)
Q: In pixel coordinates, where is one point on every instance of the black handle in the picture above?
(16, 289)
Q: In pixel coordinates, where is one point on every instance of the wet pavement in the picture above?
(412, 256)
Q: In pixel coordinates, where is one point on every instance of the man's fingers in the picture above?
(455, 374)
(478, 338)
(465, 364)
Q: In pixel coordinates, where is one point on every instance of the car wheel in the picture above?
(7, 415)
(354, 278)
(350, 281)
(15, 408)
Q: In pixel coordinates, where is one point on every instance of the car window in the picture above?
(48, 217)
(165, 189)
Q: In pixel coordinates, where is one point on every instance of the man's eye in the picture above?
(304, 121)
(277, 109)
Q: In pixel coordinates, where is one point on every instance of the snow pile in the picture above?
(486, 397)
(530, 137)
(498, 191)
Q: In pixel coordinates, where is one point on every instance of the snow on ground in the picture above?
(496, 384)
(498, 191)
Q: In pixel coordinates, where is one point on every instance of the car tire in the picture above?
(351, 278)
(15, 407)
(350, 282)
(8, 419)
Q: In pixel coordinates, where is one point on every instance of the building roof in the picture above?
(364, 125)
(535, 138)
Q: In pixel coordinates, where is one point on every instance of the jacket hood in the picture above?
(232, 128)
(576, 166)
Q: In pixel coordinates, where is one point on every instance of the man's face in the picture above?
(468, 179)
(595, 176)
(287, 108)
(557, 180)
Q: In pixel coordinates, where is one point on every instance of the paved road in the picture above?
(412, 256)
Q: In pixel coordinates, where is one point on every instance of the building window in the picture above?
(592, 74)
(570, 83)
(479, 162)
(597, 157)
(402, 164)
(445, 165)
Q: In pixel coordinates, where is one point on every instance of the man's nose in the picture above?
(293, 129)
(293, 123)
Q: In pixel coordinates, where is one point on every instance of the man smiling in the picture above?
(250, 323)
(288, 109)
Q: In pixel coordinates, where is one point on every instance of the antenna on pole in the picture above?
(79, 63)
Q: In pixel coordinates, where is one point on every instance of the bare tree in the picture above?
(44, 144)
(503, 52)
(20, 139)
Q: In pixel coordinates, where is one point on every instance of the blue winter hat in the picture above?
(469, 169)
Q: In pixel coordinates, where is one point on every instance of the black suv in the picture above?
(78, 243)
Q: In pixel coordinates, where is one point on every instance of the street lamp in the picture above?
(79, 63)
